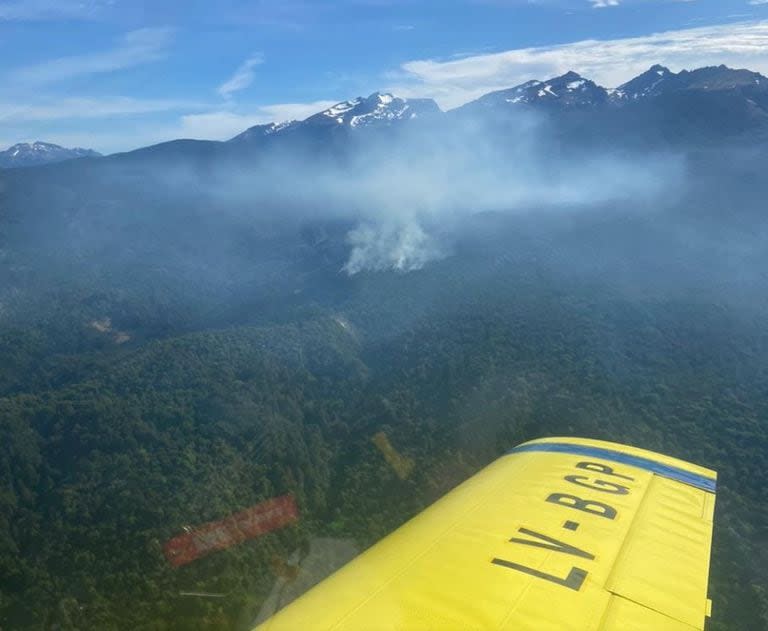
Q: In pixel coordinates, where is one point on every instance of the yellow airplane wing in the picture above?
(560, 533)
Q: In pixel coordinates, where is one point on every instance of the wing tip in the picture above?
(660, 463)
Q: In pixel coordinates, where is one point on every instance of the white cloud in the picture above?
(220, 125)
(280, 112)
(40, 10)
(21, 122)
(210, 125)
(242, 78)
(103, 141)
(601, 4)
(88, 108)
(609, 62)
(224, 124)
(134, 48)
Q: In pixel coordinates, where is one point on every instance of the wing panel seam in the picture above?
(661, 613)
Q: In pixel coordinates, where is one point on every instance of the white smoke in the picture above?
(409, 192)
(403, 248)
(397, 230)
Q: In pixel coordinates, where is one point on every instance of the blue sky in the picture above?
(118, 74)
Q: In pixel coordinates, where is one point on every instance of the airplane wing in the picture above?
(560, 533)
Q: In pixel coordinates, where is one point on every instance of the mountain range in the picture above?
(715, 98)
(573, 90)
(743, 93)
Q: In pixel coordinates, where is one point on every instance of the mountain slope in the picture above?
(648, 84)
(377, 111)
(258, 132)
(570, 90)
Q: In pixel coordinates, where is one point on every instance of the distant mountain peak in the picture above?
(37, 147)
(24, 154)
(378, 108)
(649, 83)
(569, 76)
(568, 90)
(721, 78)
(375, 110)
(659, 69)
(659, 80)
(262, 131)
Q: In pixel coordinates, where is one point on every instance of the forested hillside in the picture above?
(141, 440)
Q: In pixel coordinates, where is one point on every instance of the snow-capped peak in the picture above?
(647, 84)
(568, 90)
(38, 152)
(378, 108)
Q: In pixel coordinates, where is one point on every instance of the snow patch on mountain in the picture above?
(341, 108)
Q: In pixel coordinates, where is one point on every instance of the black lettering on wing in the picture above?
(574, 580)
(549, 543)
(588, 506)
(598, 485)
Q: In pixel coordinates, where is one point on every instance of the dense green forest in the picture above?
(179, 340)
(108, 450)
